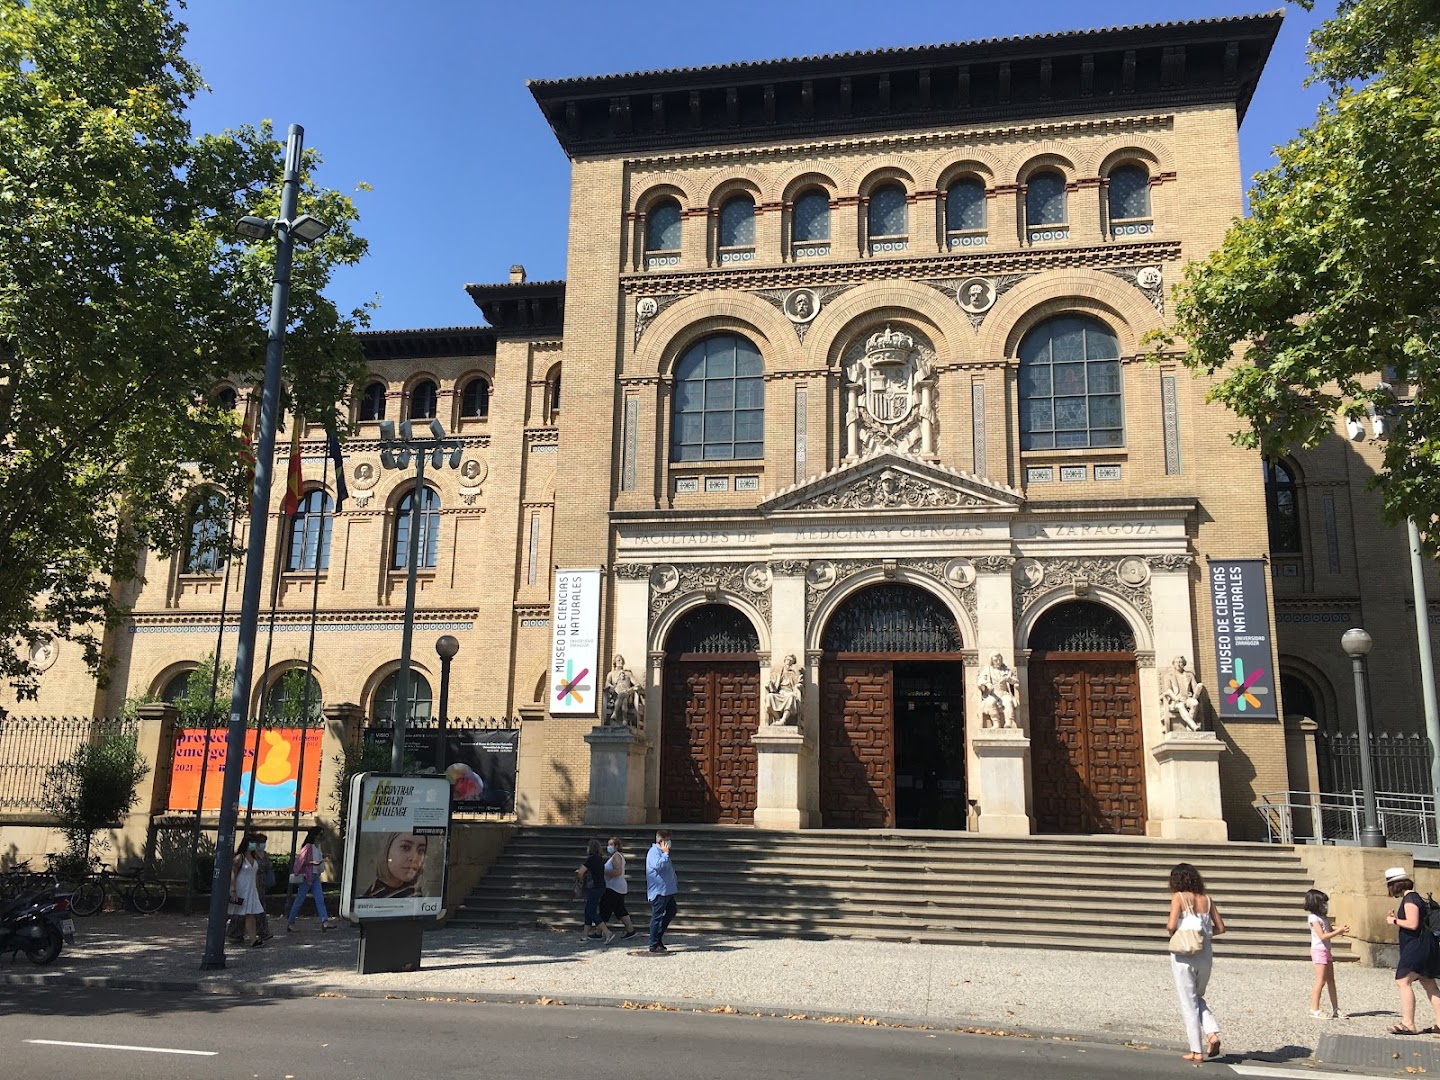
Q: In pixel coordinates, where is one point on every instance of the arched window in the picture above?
(419, 695)
(290, 699)
(1081, 626)
(1297, 696)
(424, 397)
(1282, 509)
(888, 220)
(965, 213)
(1070, 385)
(429, 551)
(475, 399)
(719, 401)
(177, 687)
(552, 395)
(810, 224)
(1045, 212)
(226, 398)
(737, 229)
(207, 534)
(662, 232)
(372, 402)
(310, 532)
(1128, 198)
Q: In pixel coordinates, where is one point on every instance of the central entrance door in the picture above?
(711, 712)
(892, 735)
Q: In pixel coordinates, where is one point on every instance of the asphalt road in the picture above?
(162, 1036)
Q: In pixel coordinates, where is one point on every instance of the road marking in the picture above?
(1289, 1074)
(121, 1046)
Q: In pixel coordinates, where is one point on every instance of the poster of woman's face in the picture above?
(400, 865)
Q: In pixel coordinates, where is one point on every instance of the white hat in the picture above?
(1396, 873)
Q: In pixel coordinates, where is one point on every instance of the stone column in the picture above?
(342, 731)
(617, 776)
(155, 744)
(1002, 756)
(1185, 798)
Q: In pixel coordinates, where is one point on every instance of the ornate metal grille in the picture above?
(714, 628)
(1082, 626)
(892, 619)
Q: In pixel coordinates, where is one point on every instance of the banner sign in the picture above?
(395, 847)
(480, 763)
(575, 656)
(1243, 653)
(276, 779)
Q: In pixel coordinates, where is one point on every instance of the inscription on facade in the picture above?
(1044, 531)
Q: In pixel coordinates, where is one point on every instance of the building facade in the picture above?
(901, 521)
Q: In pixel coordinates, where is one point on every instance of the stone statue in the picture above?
(784, 692)
(1179, 697)
(624, 697)
(999, 694)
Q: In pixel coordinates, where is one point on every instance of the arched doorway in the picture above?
(711, 712)
(1086, 740)
(892, 727)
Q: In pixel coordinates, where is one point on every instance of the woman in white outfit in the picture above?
(245, 887)
(612, 903)
(1192, 908)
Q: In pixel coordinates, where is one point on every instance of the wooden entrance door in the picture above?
(1086, 745)
(857, 744)
(707, 759)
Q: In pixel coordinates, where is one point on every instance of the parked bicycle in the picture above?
(141, 888)
(19, 880)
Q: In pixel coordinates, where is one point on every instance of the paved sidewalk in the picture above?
(1112, 997)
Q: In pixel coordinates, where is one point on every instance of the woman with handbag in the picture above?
(306, 875)
(1194, 922)
(245, 902)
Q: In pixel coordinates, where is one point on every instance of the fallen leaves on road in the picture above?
(330, 994)
(1134, 1045)
(723, 1009)
(542, 1000)
(652, 1006)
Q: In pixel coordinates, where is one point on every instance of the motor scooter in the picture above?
(38, 924)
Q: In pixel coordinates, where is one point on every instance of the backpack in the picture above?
(1430, 915)
(301, 866)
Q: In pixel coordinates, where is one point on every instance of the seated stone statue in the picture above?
(999, 694)
(1179, 697)
(784, 693)
(624, 697)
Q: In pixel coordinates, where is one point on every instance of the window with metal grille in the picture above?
(1045, 199)
(662, 226)
(1082, 626)
(424, 396)
(888, 218)
(1070, 395)
(1129, 193)
(812, 217)
(892, 618)
(719, 401)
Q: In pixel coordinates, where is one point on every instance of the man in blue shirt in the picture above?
(660, 887)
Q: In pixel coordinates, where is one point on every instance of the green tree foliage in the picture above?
(1334, 276)
(95, 787)
(194, 703)
(125, 298)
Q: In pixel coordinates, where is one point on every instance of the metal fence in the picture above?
(1401, 762)
(1304, 817)
(30, 746)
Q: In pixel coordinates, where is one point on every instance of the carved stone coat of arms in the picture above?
(891, 396)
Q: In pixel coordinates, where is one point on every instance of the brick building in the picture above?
(854, 373)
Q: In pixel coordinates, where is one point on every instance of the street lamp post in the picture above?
(446, 648)
(1356, 644)
(395, 453)
(286, 229)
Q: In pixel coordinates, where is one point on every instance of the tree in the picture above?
(125, 298)
(1332, 281)
(195, 703)
(95, 787)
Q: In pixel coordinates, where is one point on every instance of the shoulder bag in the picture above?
(1189, 936)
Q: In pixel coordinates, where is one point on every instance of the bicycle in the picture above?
(141, 888)
(19, 879)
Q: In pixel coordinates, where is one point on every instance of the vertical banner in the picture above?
(395, 847)
(575, 655)
(1243, 653)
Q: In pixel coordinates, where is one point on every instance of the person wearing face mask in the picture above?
(591, 875)
(612, 903)
(245, 902)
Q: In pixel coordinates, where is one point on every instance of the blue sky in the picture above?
(426, 101)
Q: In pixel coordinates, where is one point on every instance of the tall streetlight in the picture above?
(1356, 644)
(286, 229)
(445, 647)
(396, 453)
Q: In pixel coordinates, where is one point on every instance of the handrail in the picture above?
(1319, 817)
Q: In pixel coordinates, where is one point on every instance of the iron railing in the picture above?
(30, 746)
(1307, 817)
(1401, 762)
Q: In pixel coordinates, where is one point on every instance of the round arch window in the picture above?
(1070, 393)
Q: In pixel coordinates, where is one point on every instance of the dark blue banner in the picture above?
(1244, 657)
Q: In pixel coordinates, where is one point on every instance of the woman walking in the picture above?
(592, 875)
(612, 902)
(1192, 910)
(1419, 961)
(310, 865)
(245, 888)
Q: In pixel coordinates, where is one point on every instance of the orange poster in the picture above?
(277, 777)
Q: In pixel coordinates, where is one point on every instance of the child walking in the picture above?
(1317, 904)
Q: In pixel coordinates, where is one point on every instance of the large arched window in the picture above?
(310, 533)
(737, 229)
(419, 695)
(424, 397)
(719, 401)
(178, 686)
(1070, 386)
(888, 222)
(1282, 509)
(207, 534)
(810, 224)
(475, 399)
(291, 699)
(372, 402)
(226, 398)
(1045, 210)
(965, 213)
(662, 232)
(429, 551)
(1128, 199)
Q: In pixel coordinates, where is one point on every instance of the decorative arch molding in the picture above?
(723, 183)
(862, 576)
(1121, 151)
(952, 169)
(1031, 159)
(381, 673)
(1319, 683)
(415, 378)
(169, 673)
(686, 321)
(879, 171)
(662, 188)
(1099, 594)
(277, 671)
(404, 485)
(864, 306)
(804, 178)
(681, 604)
(1123, 307)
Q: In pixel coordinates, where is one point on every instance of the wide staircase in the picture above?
(1039, 892)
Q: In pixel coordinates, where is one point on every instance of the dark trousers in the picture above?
(662, 910)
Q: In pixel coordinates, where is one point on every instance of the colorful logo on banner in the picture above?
(1244, 660)
(571, 688)
(574, 652)
(1241, 691)
(276, 777)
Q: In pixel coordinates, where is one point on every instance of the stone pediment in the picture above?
(894, 482)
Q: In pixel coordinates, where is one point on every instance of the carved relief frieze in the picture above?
(789, 567)
(801, 305)
(682, 579)
(824, 575)
(647, 307)
(890, 394)
(1032, 577)
(994, 564)
(1149, 279)
(976, 295)
(890, 489)
(633, 571)
(1170, 563)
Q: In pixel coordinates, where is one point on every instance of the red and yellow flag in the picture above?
(295, 479)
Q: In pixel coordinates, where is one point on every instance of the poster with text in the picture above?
(1243, 654)
(395, 847)
(480, 763)
(277, 777)
(574, 658)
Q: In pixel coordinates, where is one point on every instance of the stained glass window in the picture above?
(662, 226)
(812, 217)
(719, 401)
(965, 205)
(310, 532)
(887, 212)
(1070, 393)
(429, 531)
(737, 222)
(1045, 199)
(1282, 511)
(207, 532)
(475, 399)
(419, 695)
(1129, 193)
(423, 399)
(372, 402)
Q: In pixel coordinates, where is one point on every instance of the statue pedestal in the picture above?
(1001, 756)
(1185, 801)
(617, 776)
(780, 797)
